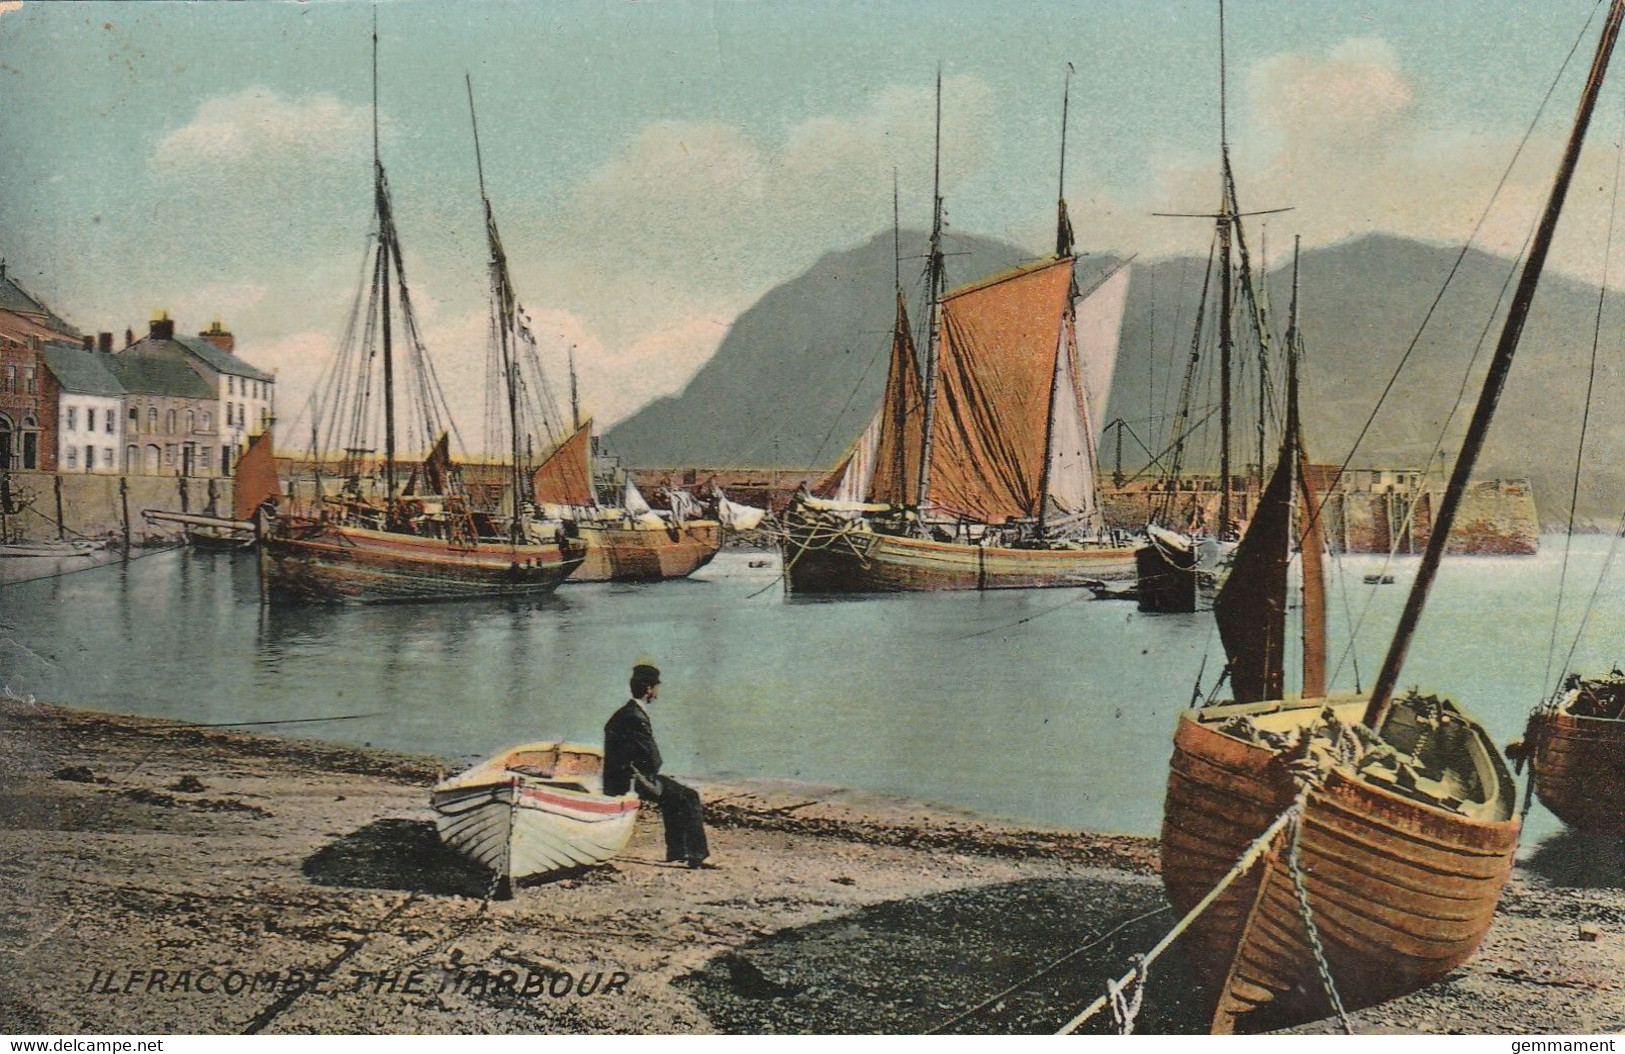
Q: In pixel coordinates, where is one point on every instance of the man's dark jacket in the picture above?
(629, 746)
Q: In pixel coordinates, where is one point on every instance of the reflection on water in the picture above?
(1046, 706)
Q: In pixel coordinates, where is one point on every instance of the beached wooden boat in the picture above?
(1400, 828)
(978, 470)
(1576, 744)
(1406, 843)
(534, 809)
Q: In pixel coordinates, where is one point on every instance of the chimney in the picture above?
(129, 336)
(162, 327)
(220, 337)
(90, 342)
(104, 342)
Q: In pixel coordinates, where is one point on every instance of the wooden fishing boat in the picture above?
(1400, 830)
(52, 549)
(630, 543)
(1406, 842)
(978, 470)
(534, 809)
(381, 538)
(1576, 745)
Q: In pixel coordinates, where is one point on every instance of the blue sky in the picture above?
(657, 166)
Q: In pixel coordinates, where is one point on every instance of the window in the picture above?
(73, 457)
(191, 421)
(208, 421)
(225, 459)
(90, 419)
(205, 456)
(110, 422)
(107, 457)
(11, 378)
(169, 422)
(169, 452)
(73, 418)
(228, 415)
(152, 419)
(29, 385)
(135, 423)
(90, 458)
(231, 385)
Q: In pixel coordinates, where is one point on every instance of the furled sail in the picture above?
(737, 517)
(632, 500)
(565, 478)
(255, 479)
(896, 472)
(437, 466)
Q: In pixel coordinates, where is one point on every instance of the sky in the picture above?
(655, 167)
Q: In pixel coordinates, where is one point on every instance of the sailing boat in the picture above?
(978, 471)
(378, 541)
(1400, 830)
(1173, 566)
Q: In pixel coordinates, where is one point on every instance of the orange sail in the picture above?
(896, 470)
(256, 480)
(565, 478)
(998, 348)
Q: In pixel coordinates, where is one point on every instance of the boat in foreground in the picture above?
(1576, 745)
(79, 547)
(1407, 838)
(534, 809)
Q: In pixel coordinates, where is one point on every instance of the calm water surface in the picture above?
(1044, 706)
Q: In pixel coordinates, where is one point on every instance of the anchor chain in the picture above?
(1295, 867)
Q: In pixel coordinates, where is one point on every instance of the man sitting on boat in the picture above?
(632, 761)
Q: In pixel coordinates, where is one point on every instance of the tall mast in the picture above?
(1226, 219)
(1495, 378)
(1063, 224)
(386, 241)
(575, 402)
(502, 290)
(899, 410)
(933, 290)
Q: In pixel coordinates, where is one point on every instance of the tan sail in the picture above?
(256, 478)
(565, 478)
(998, 349)
(896, 473)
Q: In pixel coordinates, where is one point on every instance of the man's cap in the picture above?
(646, 671)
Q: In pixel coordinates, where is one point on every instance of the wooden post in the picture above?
(124, 500)
(61, 530)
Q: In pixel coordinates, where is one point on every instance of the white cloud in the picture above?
(256, 127)
(8, 6)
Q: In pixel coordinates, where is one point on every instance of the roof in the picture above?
(20, 328)
(159, 367)
(221, 360)
(14, 297)
(82, 372)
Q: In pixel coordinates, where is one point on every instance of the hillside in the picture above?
(801, 371)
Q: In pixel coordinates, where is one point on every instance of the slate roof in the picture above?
(159, 367)
(220, 360)
(14, 298)
(82, 372)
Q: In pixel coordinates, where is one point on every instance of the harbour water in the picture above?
(1048, 707)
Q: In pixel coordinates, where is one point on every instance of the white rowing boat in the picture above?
(534, 809)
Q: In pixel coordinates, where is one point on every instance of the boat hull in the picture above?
(617, 553)
(1401, 891)
(520, 824)
(860, 561)
(326, 563)
(1580, 769)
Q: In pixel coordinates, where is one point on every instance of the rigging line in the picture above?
(1040, 974)
(251, 724)
(1585, 416)
(1596, 590)
(94, 567)
(1024, 620)
(1438, 442)
(1467, 245)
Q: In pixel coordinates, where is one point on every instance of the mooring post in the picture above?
(124, 501)
(61, 529)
